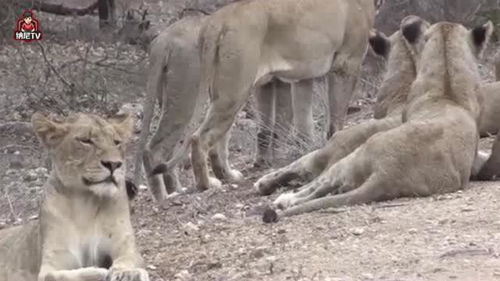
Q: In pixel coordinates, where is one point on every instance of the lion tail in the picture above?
(154, 91)
(209, 42)
(209, 39)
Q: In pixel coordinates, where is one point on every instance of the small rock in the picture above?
(30, 176)
(41, 171)
(219, 217)
(151, 267)
(368, 276)
(143, 187)
(270, 216)
(15, 164)
(259, 252)
(11, 172)
(412, 231)
(190, 228)
(183, 275)
(357, 231)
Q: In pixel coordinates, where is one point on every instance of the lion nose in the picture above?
(112, 165)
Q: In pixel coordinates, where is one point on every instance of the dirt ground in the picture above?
(218, 234)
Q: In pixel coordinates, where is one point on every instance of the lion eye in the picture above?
(85, 140)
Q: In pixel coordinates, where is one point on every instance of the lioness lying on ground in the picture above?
(433, 151)
(83, 232)
(391, 98)
(245, 44)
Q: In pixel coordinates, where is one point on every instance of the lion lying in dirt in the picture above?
(391, 98)
(433, 151)
(245, 44)
(83, 232)
(172, 81)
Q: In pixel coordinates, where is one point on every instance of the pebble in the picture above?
(357, 231)
(41, 171)
(368, 276)
(151, 267)
(190, 228)
(183, 275)
(219, 217)
(30, 176)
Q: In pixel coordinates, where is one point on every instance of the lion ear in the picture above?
(124, 125)
(413, 29)
(380, 44)
(480, 37)
(49, 132)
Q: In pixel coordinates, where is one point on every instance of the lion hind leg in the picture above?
(305, 168)
(220, 162)
(214, 128)
(370, 191)
(156, 183)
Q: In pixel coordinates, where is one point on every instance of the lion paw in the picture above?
(214, 182)
(234, 175)
(285, 201)
(264, 185)
(136, 274)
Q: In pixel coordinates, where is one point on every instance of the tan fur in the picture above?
(391, 97)
(250, 42)
(84, 222)
(173, 82)
(490, 115)
(433, 151)
(489, 167)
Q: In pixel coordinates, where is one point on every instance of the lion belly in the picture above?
(20, 252)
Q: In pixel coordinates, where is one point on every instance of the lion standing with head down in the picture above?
(84, 231)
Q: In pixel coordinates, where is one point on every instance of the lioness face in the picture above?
(87, 151)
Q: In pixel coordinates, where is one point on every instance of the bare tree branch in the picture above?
(58, 9)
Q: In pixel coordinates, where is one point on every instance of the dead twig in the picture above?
(11, 208)
(53, 69)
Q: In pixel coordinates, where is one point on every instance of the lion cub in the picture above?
(84, 231)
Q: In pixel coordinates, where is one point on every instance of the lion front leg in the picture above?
(329, 181)
(80, 274)
(302, 94)
(135, 274)
(127, 261)
(265, 100)
(341, 87)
